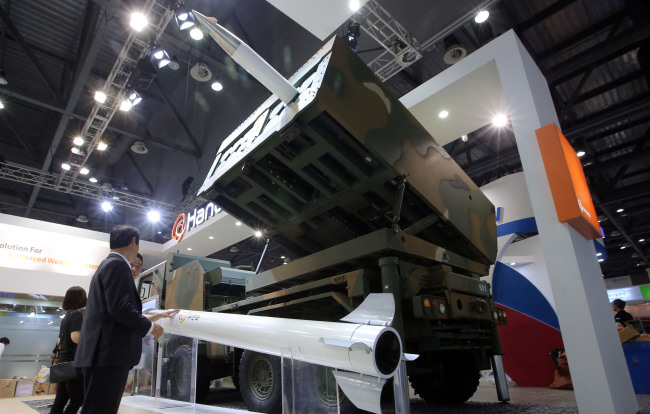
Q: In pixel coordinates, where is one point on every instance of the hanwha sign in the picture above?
(186, 222)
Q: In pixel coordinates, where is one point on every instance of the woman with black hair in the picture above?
(71, 390)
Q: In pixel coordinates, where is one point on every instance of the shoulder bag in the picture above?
(63, 371)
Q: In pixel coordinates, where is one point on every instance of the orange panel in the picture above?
(568, 183)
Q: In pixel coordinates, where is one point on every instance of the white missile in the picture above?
(248, 59)
(360, 348)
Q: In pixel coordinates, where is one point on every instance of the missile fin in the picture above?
(377, 309)
(346, 344)
(363, 390)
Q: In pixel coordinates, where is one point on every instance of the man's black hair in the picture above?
(620, 303)
(5, 340)
(139, 256)
(121, 236)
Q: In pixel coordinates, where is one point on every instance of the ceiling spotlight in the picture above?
(623, 247)
(355, 5)
(184, 18)
(196, 33)
(464, 138)
(153, 216)
(2, 106)
(133, 97)
(499, 120)
(601, 260)
(116, 198)
(641, 240)
(174, 64)
(138, 21)
(77, 151)
(189, 248)
(84, 171)
(443, 114)
(126, 106)
(102, 146)
(100, 96)
(217, 86)
(620, 210)
(512, 264)
(78, 141)
(159, 57)
(107, 206)
(3, 77)
(482, 16)
(65, 166)
(92, 179)
(352, 36)
(238, 223)
(580, 153)
(258, 234)
(211, 237)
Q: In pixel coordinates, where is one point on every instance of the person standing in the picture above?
(136, 267)
(113, 326)
(4, 341)
(620, 314)
(72, 390)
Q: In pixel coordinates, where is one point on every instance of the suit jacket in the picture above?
(113, 326)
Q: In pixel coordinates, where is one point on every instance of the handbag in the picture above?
(63, 371)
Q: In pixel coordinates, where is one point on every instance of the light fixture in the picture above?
(81, 218)
(100, 96)
(133, 97)
(454, 50)
(281, 257)
(160, 57)
(599, 254)
(138, 21)
(620, 210)
(512, 264)
(160, 232)
(196, 33)
(443, 114)
(211, 237)
(623, 247)
(3, 77)
(238, 223)
(66, 166)
(116, 198)
(107, 206)
(102, 146)
(78, 141)
(174, 64)
(499, 120)
(2, 106)
(153, 216)
(126, 106)
(84, 171)
(601, 260)
(258, 234)
(464, 138)
(580, 153)
(77, 151)
(92, 179)
(216, 86)
(184, 18)
(355, 5)
(352, 36)
(641, 240)
(189, 248)
(482, 16)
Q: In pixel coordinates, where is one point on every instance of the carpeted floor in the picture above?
(42, 406)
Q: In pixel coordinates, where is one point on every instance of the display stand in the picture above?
(176, 370)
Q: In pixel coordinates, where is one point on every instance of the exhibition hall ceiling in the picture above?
(54, 56)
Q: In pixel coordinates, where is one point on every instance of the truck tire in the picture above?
(317, 387)
(260, 382)
(180, 373)
(454, 380)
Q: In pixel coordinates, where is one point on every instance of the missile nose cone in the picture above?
(228, 41)
(204, 19)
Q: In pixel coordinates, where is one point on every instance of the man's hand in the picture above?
(162, 314)
(157, 331)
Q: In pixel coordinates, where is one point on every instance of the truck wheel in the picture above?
(317, 386)
(260, 382)
(180, 373)
(453, 381)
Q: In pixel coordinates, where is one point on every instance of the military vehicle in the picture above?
(346, 179)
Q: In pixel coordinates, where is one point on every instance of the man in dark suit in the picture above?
(110, 342)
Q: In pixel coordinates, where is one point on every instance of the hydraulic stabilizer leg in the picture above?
(500, 378)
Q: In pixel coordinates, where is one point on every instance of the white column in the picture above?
(598, 368)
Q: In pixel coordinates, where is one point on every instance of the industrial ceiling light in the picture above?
(133, 97)
(107, 206)
(78, 141)
(443, 114)
(77, 151)
(3, 77)
(196, 33)
(100, 96)
(499, 120)
(2, 105)
(238, 223)
(102, 146)
(138, 21)
(580, 153)
(352, 36)
(482, 16)
(355, 5)
(126, 105)
(464, 138)
(81, 218)
(153, 216)
(66, 166)
(84, 171)
(258, 234)
(159, 57)
(216, 86)
(184, 18)
(92, 179)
